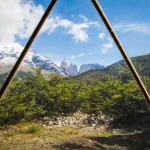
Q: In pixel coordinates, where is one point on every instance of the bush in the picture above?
(33, 129)
(34, 97)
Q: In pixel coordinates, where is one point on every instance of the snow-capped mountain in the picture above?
(10, 52)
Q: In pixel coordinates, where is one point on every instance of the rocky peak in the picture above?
(72, 70)
(87, 67)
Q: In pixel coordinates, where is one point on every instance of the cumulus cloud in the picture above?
(78, 31)
(107, 46)
(101, 35)
(135, 27)
(20, 17)
(77, 56)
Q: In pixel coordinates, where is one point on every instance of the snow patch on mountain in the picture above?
(144, 53)
(10, 52)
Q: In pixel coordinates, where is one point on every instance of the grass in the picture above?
(28, 136)
(33, 129)
(107, 134)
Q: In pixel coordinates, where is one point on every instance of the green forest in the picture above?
(31, 96)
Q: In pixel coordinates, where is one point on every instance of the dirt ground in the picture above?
(30, 136)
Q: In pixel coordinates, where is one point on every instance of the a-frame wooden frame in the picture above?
(111, 31)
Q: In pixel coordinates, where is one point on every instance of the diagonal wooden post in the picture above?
(122, 50)
(26, 48)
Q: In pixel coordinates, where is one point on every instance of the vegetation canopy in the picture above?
(32, 97)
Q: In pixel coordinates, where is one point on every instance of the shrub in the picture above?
(33, 129)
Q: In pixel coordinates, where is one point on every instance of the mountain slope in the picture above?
(120, 69)
(10, 53)
(141, 63)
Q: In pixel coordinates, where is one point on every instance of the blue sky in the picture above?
(75, 31)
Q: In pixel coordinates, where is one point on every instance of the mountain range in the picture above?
(10, 52)
(73, 70)
(87, 67)
(120, 70)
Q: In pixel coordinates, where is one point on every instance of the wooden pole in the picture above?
(122, 50)
(26, 48)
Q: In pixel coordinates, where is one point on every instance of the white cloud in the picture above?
(84, 18)
(20, 17)
(73, 57)
(77, 56)
(89, 53)
(80, 55)
(135, 27)
(78, 31)
(95, 23)
(107, 46)
(101, 35)
(110, 39)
